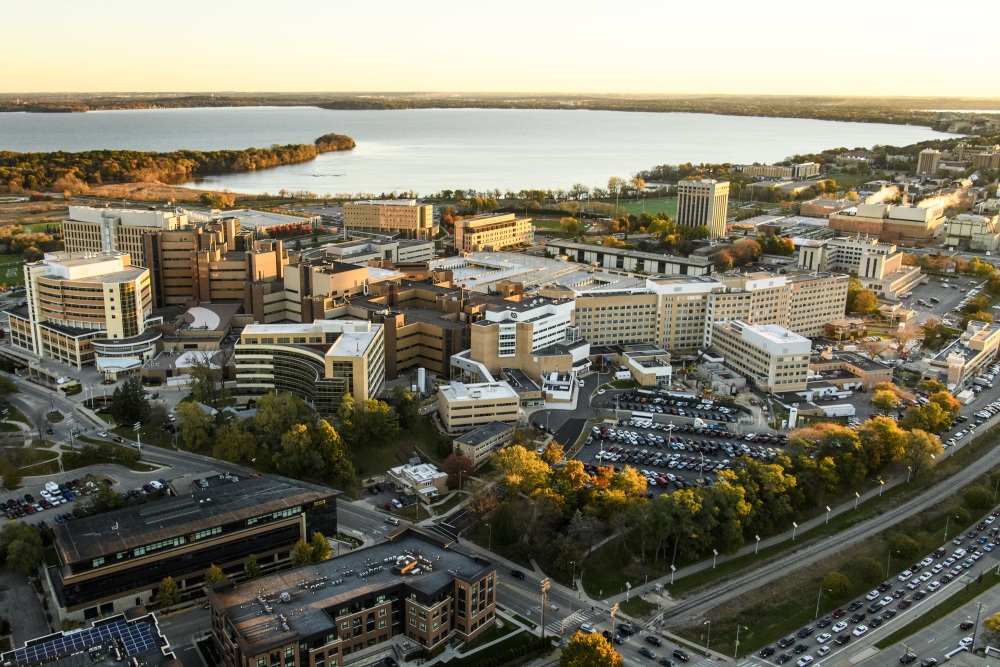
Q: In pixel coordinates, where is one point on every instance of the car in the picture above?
(800, 648)
(600, 392)
(933, 586)
(840, 627)
(858, 617)
(118, 439)
(919, 595)
(840, 613)
(667, 662)
(860, 630)
(803, 661)
(766, 652)
(903, 604)
(871, 596)
(783, 658)
(905, 575)
(645, 652)
(842, 639)
(681, 655)
(655, 641)
(965, 625)
(822, 650)
(888, 613)
(517, 574)
(824, 638)
(103, 434)
(966, 642)
(587, 629)
(823, 622)
(875, 621)
(854, 606)
(907, 658)
(928, 662)
(806, 631)
(785, 642)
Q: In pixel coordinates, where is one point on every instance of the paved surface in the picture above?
(20, 606)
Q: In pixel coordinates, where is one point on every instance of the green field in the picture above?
(651, 206)
(12, 269)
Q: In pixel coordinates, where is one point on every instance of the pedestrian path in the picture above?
(572, 622)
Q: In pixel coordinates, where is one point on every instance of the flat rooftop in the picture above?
(483, 433)
(352, 344)
(306, 597)
(132, 527)
(483, 391)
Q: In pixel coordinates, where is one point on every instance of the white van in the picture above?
(51, 487)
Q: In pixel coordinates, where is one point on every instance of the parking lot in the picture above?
(949, 292)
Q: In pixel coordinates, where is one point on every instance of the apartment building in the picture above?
(479, 444)
(319, 361)
(797, 171)
(465, 407)
(878, 266)
(492, 232)
(703, 203)
(115, 561)
(402, 217)
(414, 584)
(770, 356)
(83, 308)
(815, 299)
(928, 161)
(97, 230)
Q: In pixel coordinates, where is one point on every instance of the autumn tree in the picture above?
(521, 470)
(885, 401)
(882, 442)
(570, 225)
(195, 427)
(930, 417)
(319, 548)
(457, 467)
(948, 403)
(859, 299)
(301, 553)
(251, 568)
(169, 593)
(591, 650)
(214, 575)
(920, 449)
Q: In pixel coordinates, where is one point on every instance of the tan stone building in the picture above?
(401, 217)
(914, 225)
(840, 368)
(464, 407)
(770, 356)
(320, 361)
(478, 445)
(703, 203)
(492, 232)
(92, 229)
(85, 306)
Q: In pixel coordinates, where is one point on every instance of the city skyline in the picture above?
(552, 47)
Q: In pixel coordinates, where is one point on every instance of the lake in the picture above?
(427, 150)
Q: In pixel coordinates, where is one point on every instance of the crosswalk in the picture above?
(572, 622)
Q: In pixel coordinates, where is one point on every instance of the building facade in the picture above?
(914, 225)
(320, 362)
(631, 260)
(800, 170)
(928, 161)
(465, 407)
(770, 356)
(479, 444)
(115, 561)
(703, 203)
(414, 585)
(492, 232)
(878, 266)
(402, 217)
(102, 230)
(77, 299)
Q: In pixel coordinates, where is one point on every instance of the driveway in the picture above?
(20, 605)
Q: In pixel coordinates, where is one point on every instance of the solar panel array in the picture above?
(137, 639)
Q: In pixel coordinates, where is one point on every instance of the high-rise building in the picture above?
(492, 232)
(703, 203)
(768, 355)
(91, 229)
(400, 217)
(84, 306)
(928, 161)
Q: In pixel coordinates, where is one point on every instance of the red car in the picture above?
(840, 613)
(903, 604)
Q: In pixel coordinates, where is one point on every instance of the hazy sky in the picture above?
(665, 46)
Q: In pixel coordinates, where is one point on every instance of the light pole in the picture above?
(975, 628)
(909, 471)
(795, 527)
(715, 555)
(708, 644)
(489, 543)
(820, 597)
(881, 486)
(888, 561)
(857, 497)
(827, 514)
(947, 519)
(573, 578)
(737, 651)
(614, 611)
(757, 547)
(546, 584)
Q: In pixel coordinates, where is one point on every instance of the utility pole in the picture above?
(546, 584)
(614, 611)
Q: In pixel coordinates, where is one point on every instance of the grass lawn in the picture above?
(375, 460)
(516, 640)
(29, 457)
(56, 417)
(11, 270)
(637, 607)
(939, 611)
(15, 415)
(651, 206)
(453, 500)
(609, 567)
(492, 634)
(415, 512)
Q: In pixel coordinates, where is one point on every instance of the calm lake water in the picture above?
(428, 150)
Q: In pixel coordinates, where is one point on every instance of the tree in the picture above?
(11, 477)
(589, 651)
(553, 453)
(978, 497)
(570, 225)
(522, 471)
(885, 400)
(457, 467)
(406, 405)
(992, 623)
(106, 499)
(948, 403)
(276, 413)
(319, 548)
(129, 404)
(931, 386)
(920, 449)
(251, 568)
(374, 423)
(195, 427)
(930, 417)
(169, 593)
(838, 585)
(214, 575)
(301, 553)
(20, 547)
(206, 385)
(41, 418)
(882, 442)
(906, 546)
(859, 299)
(234, 443)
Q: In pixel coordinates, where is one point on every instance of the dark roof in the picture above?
(484, 433)
(94, 536)
(312, 589)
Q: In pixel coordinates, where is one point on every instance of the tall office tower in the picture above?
(703, 204)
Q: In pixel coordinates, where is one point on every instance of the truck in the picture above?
(839, 410)
(982, 382)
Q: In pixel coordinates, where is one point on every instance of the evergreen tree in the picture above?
(169, 594)
(251, 569)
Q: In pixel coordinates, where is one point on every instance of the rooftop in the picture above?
(125, 529)
(458, 391)
(275, 610)
(483, 433)
(353, 344)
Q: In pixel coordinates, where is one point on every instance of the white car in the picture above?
(927, 561)
(840, 627)
(822, 650)
(872, 595)
(926, 576)
(804, 660)
(587, 629)
(860, 630)
(937, 568)
(886, 601)
(933, 586)
(903, 576)
(824, 638)
(600, 392)
(967, 642)
(103, 434)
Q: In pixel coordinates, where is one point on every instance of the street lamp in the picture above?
(947, 519)
(757, 547)
(827, 514)
(737, 651)
(857, 497)
(881, 486)
(909, 471)
(573, 578)
(489, 543)
(708, 644)
(614, 611)
(546, 584)
(795, 527)
(888, 561)
(820, 597)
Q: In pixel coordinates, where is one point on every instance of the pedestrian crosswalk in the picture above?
(572, 622)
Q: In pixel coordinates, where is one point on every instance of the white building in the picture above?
(464, 407)
(703, 203)
(771, 356)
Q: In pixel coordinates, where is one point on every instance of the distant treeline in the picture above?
(901, 111)
(76, 172)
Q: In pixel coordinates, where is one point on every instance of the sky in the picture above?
(779, 47)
